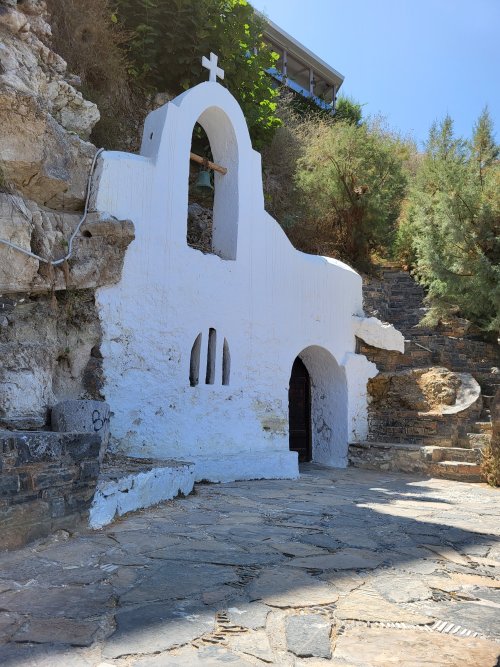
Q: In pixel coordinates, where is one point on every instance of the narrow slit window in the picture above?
(226, 363)
(194, 366)
(212, 345)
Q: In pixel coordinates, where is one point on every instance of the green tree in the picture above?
(169, 38)
(349, 110)
(453, 222)
(352, 181)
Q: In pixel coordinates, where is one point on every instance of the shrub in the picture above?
(490, 467)
(280, 158)
(352, 181)
(85, 35)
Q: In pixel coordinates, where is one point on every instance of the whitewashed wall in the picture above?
(269, 301)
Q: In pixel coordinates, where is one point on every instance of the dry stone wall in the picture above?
(47, 482)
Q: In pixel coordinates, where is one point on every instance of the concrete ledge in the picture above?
(262, 465)
(126, 485)
(375, 333)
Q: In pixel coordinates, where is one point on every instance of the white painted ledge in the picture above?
(118, 494)
(272, 465)
(378, 334)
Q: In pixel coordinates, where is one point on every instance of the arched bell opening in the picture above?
(201, 194)
(318, 408)
(212, 217)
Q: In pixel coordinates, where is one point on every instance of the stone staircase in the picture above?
(448, 446)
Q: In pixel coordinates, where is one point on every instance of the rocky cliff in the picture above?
(49, 330)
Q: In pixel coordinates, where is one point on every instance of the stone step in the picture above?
(483, 427)
(447, 462)
(443, 454)
(459, 471)
(477, 440)
(129, 484)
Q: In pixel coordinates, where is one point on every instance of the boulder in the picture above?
(98, 250)
(26, 375)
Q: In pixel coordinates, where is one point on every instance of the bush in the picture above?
(490, 467)
(280, 158)
(85, 35)
(351, 180)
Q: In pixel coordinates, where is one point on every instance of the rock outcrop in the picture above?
(48, 343)
(49, 327)
(46, 122)
(98, 249)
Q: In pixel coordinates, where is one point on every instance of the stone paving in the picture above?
(342, 567)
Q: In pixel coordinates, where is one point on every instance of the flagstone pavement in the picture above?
(342, 567)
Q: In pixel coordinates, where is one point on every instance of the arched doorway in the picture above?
(299, 411)
(318, 408)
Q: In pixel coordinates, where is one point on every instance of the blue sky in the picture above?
(413, 61)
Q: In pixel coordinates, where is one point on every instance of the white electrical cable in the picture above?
(55, 262)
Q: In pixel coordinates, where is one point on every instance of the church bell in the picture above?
(203, 183)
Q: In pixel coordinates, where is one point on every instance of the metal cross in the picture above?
(211, 66)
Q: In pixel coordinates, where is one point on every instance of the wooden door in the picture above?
(299, 411)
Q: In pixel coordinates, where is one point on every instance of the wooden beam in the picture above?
(207, 163)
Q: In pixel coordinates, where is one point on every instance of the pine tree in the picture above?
(453, 220)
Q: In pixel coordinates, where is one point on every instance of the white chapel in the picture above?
(241, 361)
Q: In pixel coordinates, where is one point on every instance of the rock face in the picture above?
(200, 223)
(44, 154)
(421, 389)
(49, 327)
(50, 352)
(50, 345)
(98, 250)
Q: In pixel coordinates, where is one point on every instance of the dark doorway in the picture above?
(299, 411)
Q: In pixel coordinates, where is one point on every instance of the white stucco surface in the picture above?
(378, 334)
(138, 490)
(270, 303)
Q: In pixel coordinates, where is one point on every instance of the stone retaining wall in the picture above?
(47, 482)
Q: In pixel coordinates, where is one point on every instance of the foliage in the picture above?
(85, 35)
(280, 157)
(450, 227)
(171, 36)
(490, 465)
(348, 110)
(351, 181)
